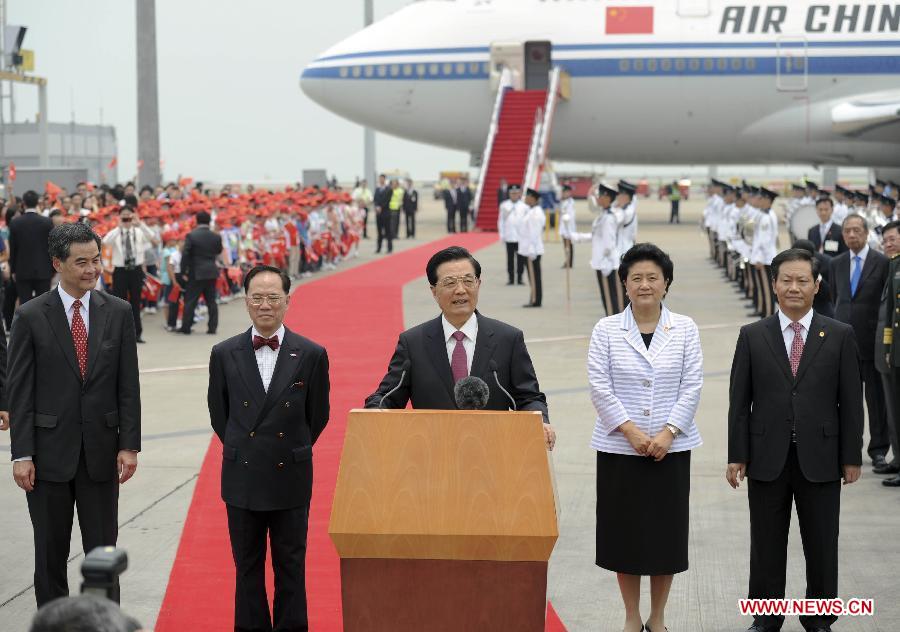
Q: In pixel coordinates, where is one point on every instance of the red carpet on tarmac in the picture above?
(357, 315)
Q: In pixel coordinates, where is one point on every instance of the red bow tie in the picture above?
(259, 342)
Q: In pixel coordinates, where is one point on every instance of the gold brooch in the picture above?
(821, 334)
(666, 329)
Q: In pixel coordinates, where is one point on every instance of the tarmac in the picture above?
(176, 434)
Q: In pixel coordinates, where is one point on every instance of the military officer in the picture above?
(511, 212)
(625, 209)
(604, 250)
(567, 225)
(890, 317)
(531, 244)
(764, 249)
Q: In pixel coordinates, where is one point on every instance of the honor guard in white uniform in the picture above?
(531, 244)
(605, 255)
(510, 215)
(886, 214)
(765, 247)
(625, 209)
(711, 214)
(812, 194)
(841, 208)
(567, 225)
(797, 199)
(723, 227)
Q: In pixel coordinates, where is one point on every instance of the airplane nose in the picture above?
(312, 85)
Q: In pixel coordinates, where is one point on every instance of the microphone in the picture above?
(493, 368)
(471, 393)
(403, 369)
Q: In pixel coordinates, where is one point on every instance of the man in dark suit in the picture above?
(826, 235)
(857, 279)
(75, 407)
(410, 208)
(381, 201)
(463, 204)
(201, 249)
(268, 403)
(795, 423)
(450, 195)
(29, 261)
(458, 343)
(4, 400)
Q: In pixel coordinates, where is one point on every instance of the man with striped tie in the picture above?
(430, 358)
(75, 407)
(795, 423)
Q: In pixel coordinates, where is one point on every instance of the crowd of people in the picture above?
(855, 239)
(180, 248)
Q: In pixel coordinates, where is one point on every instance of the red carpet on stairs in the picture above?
(357, 315)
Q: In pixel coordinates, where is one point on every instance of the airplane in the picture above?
(651, 81)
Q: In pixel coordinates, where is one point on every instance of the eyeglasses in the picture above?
(272, 299)
(448, 283)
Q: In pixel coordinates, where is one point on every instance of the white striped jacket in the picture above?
(650, 387)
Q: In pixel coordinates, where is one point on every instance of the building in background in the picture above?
(92, 147)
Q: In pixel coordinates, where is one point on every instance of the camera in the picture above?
(100, 572)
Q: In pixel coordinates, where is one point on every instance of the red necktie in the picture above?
(79, 336)
(259, 342)
(796, 348)
(459, 364)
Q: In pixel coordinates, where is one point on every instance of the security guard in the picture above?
(604, 250)
(890, 314)
(511, 212)
(531, 243)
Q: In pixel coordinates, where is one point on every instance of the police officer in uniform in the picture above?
(625, 208)
(531, 244)
(765, 247)
(567, 225)
(511, 212)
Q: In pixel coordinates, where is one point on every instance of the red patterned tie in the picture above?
(796, 348)
(79, 336)
(459, 365)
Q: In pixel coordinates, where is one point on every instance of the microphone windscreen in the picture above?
(471, 393)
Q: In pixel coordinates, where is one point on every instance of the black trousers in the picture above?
(192, 294)
(51, 506)
(27, 289)
(128, 283)
(612, 292)
(395, 224)
(890, 412)
(383, 228)
(365, 211)
(410, 223)
(534, 279)
(515, 265)
(673, 214)
(463, 219)
(9, 302)
(286, 531)
(879, 437)
(818, 512)
(451, 220)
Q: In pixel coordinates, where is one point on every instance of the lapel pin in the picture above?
(666, 329)
(293, 355)
(821, 334)
(297, 385)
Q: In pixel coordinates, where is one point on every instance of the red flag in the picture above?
(629, 20)
(112, 163)
(52, 190)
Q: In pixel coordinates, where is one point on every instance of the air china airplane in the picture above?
(654, 82)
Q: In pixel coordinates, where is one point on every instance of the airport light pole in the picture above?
(368, 132)
(147, 93)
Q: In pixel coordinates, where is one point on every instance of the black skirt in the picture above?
(642, 513)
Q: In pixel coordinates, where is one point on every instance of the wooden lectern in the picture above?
(444, 520)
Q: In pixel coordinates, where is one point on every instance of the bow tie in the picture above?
(259, 342)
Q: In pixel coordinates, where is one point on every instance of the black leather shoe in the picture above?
(647, 628)
(758, 627)
(827, 628)
(878, 461)
(887, 468)
(510, 283)
(140, 340)
(530, 305)
(894, 481)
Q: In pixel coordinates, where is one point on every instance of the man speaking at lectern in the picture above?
(432, 357)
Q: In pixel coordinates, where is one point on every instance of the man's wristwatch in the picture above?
(673, 429)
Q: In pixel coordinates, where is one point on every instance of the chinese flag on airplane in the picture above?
(629, 20)
(112, 163)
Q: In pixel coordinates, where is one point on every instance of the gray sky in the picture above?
(230, 103)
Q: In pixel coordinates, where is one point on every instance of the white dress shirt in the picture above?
(68, 302)
(649, 387)
(67, 305)
(141, 240)
(788, 334)
(470, 329)
(266, 356)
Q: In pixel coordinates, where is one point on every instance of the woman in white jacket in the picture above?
(645, 368)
